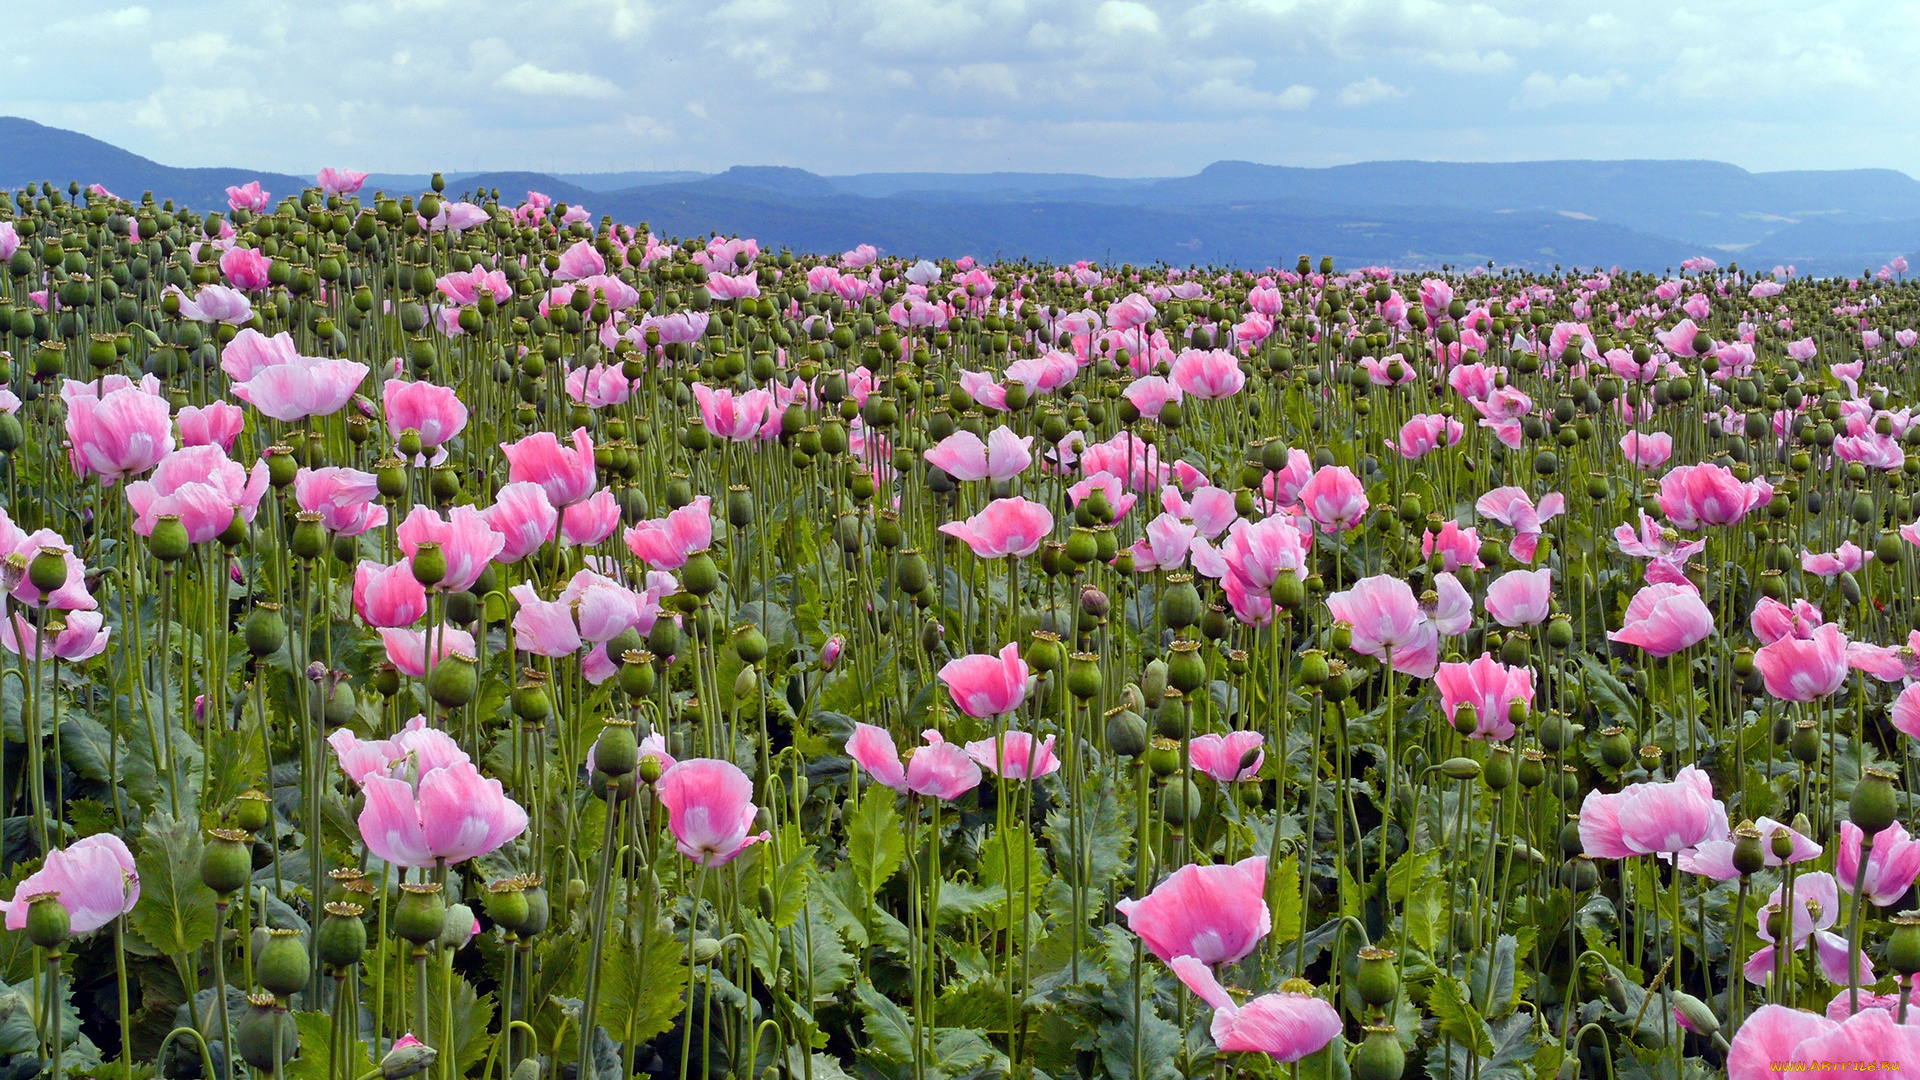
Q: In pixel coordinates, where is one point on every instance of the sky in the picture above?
(1112, 87)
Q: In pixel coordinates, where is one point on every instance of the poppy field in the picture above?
(455, 635)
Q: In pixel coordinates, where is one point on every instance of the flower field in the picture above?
(459, 636)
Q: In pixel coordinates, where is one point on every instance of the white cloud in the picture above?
(528, 79)
(1540, 90)
(1229, 95)
(1123, 87)
(1369, 91)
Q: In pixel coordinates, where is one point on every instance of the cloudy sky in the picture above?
(1116, 87)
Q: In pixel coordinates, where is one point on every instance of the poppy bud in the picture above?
(1461, 768)
(410, 1057)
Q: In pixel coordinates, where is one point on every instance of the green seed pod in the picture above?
(420, 913)
(617, 751)
(1903, 946)
(1084, 680)
(1748, 856)
(1180, 606)
(1313, 668)
(252, 810)
(49, 925)
(1378, 980)
(531, 701)
(1180, 802)
(637, 677)
(1380, 1056)
(169, 541)
(48, 568)
(1875, 805)
(910, 571)
(1805, 746)
(1186, 668)
(226, 861)
(1616, 749)
(1126, 732)
(749, 644)
(429, 564)
(309, 540)
(454, 681)
(342, 937)
(1163, 757)
(506, 903)
(699, 575)
(266, 1034)
(1499, 767)
(282, 967)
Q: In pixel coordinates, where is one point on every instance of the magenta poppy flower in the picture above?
(465, 538)
(524, 519)
(81, 635)
(1334, 499)
(1521, 597)
(215, 424)
(1642, 819)
(984, 685)
(407, 649)
(122, 433)
(434, 412)
(566, 473)
(388, 595)
(455, 815)
(1017, 755)
(1012, 527)
(1284, 1026)
(345, 499)
(201, 487)
(664, 543)
(585, 524)
(709, 810)
(1664, 618)
(1491, 687)
(1804, 669)
(306, 386)
(1892, 866)
(94, 879)
(1215, 914)
(964, 456)
(1225, 757)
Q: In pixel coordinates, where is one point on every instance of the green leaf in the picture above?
(640, 990)
(1425, 910)
(888, 1028)
(1287, 920)
(175, 912)
(1159, 1046)
(876, 846)
(821, 962)
(315, 1060)
(1459, 1020)
(790, 886)
(1492, 982)
(86, 747)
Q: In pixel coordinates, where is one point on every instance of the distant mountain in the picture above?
(37, 152)
(1409, 214)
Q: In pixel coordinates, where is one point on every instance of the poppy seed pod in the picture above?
(699, 575)
(1380, 1056)
(168, 542)
(49, 924)
(1748, 857)
(1126, 732)
(342, 937)
(309, 538)
(1874, 805)
(1377, 979)
(1903, 946)
(617, 751)
(1084, 679)
(266, 1035)
(1044, 653)
(420, 913)
(282, 967)
(226, 861)
(454, 681)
